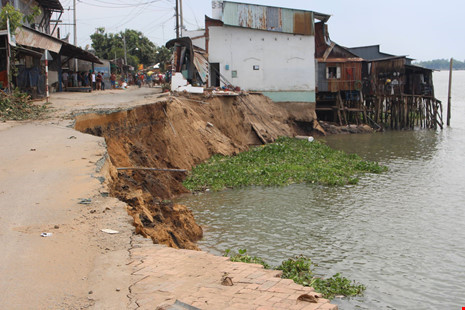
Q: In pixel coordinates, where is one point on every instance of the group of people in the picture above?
(152, 79)
(96, 80)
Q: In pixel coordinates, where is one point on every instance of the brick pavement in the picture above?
(163, 275)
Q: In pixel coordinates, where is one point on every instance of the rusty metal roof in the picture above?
(28, 37)
(270, 18)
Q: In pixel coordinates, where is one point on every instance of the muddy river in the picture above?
(402, 233)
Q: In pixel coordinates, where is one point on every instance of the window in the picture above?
(333, 72)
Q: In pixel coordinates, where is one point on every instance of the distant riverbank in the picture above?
(441, 64)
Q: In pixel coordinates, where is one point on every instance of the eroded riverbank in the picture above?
(180, 133)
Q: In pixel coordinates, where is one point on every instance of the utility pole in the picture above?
(125, 52)
(180, 10)
(76, 69)
(177, 20)
(46, 76)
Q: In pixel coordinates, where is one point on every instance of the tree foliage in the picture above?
(139, 49)
(14, 17)
(442, 64)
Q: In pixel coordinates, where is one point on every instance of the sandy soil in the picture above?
(46, 169)
(179, 132)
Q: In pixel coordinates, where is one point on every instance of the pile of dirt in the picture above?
(180, 133)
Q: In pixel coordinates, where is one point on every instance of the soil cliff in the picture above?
(179, 133)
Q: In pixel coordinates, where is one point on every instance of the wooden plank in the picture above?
(79, 89)
(152, 169)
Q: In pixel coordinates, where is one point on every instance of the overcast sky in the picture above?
(421, 29)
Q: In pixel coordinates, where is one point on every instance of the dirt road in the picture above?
(46, 170)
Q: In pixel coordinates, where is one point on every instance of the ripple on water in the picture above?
(399, 233)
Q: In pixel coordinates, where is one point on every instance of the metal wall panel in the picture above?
(268, 18)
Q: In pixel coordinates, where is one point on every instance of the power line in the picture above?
(116, 5)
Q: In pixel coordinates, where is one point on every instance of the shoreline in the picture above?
(116, 269)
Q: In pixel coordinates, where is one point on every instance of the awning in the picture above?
(33, 38)
(28, 37)
(73, 51)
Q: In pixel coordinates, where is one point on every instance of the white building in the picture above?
(262, 48)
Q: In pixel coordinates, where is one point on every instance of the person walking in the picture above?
(103, 80)
(113, 81)
(99, 81)
(74, 78)
(94, 81)
(141, 78)
(86, 79)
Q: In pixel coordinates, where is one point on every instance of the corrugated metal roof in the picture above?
(32, 38)
(269, 18)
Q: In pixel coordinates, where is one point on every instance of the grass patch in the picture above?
(284, 162)
(17, 106)
(300, 270)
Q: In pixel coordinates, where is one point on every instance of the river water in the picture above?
(401, 233)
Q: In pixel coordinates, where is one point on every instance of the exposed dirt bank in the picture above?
(181, 132)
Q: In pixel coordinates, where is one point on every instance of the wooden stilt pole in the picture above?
(450, 89)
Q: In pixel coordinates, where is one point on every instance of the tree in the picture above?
(9, 13)
(442, 64)
(16, 18)
(139, 49)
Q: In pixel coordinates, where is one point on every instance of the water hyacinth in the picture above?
(284, 162)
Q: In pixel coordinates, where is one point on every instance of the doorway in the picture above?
(215, 74)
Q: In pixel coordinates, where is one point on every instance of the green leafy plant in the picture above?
(281, 163)
(337, 285)
(17, 106)
(300, 270)
(243, 257)
(15, 17)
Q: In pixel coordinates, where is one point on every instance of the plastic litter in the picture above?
(45, 234)
(110, 231)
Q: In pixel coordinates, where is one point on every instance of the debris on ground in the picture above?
(308, 298)
(110, 231)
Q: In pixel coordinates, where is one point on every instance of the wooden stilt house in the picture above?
(397, 94)
(339, 80)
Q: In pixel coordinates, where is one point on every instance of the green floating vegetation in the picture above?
(300, 270)
(17, 106)
(243, 257)
(284, 162)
